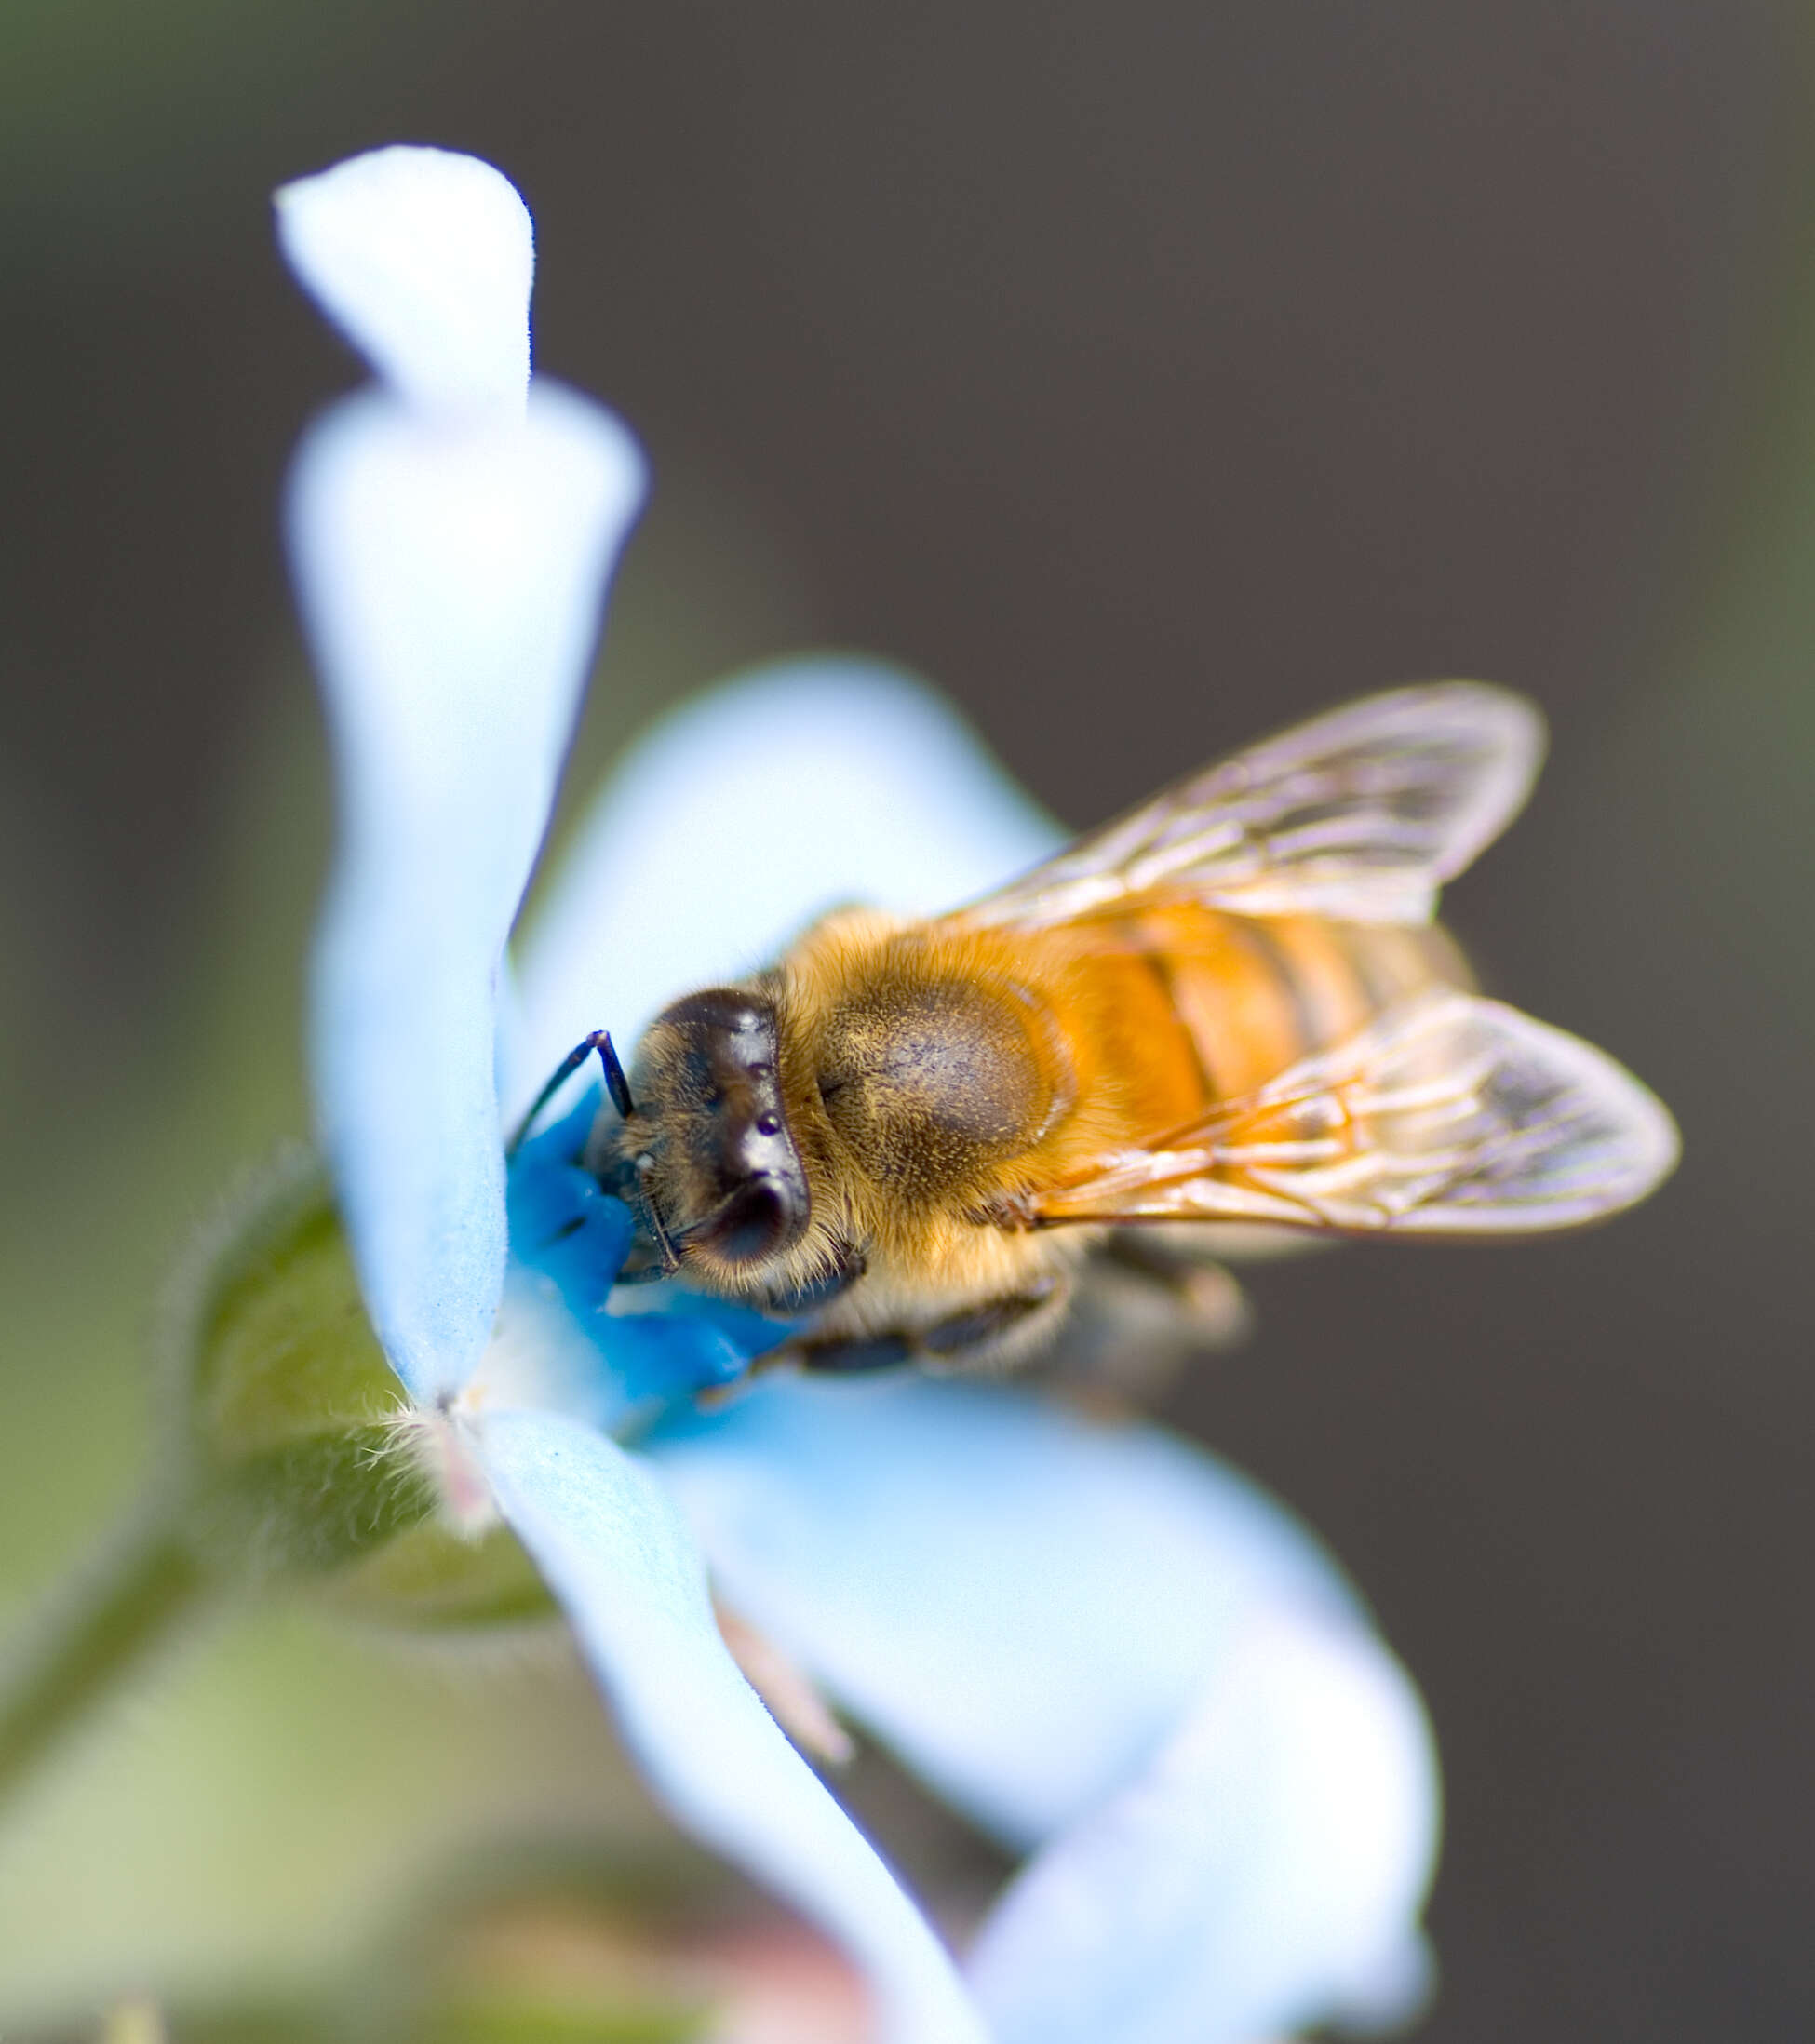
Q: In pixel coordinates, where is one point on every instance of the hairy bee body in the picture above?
(937, 1079)
(1231, 1006)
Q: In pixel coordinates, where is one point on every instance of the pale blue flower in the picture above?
(1110, 1651)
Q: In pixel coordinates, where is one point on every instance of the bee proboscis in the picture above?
(1230, 1009)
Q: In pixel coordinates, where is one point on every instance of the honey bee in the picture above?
(1228, 1007)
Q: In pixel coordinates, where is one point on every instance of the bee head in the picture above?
(707, 1135)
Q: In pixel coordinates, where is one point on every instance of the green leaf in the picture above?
(296, 1468)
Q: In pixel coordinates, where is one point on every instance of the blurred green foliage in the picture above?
(90, 90)
(536, 1951)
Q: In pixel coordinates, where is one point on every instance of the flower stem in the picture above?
(96, 1631)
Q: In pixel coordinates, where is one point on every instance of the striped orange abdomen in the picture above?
(1171, 1008)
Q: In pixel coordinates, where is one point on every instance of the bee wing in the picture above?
(1359, 815)
(1448, 1115)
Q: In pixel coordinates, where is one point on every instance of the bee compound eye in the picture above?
(765, 1215)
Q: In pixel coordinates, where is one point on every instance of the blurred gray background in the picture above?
(1149, 376)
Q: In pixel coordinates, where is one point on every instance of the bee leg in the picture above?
(1182, 1265)
(997, 1330)
(848, 1355)
(1146, 1307)
(989, 1334)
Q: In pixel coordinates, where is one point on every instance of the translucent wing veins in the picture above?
(1450, 1114)
(1359, 815)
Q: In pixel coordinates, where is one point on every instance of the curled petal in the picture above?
(423, 258)
(738, 819)
(1022, 1602)
(1263, 1874)
(1095, 1640)
(449, 580)
(618, 1554)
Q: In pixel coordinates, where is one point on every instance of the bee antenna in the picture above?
(616, 1084)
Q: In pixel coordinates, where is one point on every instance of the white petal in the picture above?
(1264, 1873)
(744, 816)
(1096, 1639)
(451, 583)
(617, 1554)
(1022, 1602)
(423, 258)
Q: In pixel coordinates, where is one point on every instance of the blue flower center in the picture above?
(657, 1346)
